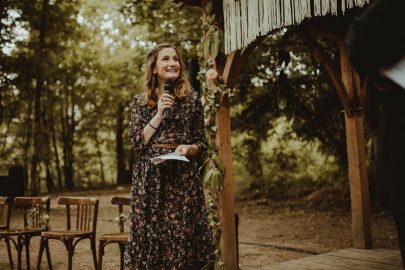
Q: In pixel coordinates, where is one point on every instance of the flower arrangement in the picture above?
(37, 217)
(121, 219)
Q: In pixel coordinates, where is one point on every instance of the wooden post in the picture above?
(361, 226)
(226, 196)
(228, 243)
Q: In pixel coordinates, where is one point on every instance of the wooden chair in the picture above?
(84, 227)
(120, 238)
(36, 221)
(5, 225)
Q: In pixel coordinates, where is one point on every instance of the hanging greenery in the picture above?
(214, 171)
(213, 88)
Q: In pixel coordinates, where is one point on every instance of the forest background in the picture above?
(69, 70)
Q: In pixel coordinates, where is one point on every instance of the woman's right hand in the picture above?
(165, 102)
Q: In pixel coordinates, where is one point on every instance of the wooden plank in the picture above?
(361, 224)
(391, 257)
(313, 265)
(374, 251)
(285, 266)
(349, 263)
(248, 267)
(300, 264)
(346, 259)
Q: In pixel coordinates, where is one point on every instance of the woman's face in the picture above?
(167, 65)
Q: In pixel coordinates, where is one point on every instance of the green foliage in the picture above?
(88, 59)
(167, 21)
(214, 170)
(67, 78)
(281, 78)
(213, 91)
(290, 166)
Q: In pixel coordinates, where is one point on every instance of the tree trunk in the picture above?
(120, 146)
(35, 159)
(49, 179)
(28, 138)
(68, 140)
(55, 150)
(47, 123)
(100, 157)
(254, 164)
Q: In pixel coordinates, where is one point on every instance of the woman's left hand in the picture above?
(185, 149)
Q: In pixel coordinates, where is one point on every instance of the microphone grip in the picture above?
(168, 89)
(166, 112)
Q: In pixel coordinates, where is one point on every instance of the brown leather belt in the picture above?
(165, 145)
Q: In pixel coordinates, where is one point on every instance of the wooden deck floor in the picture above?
(344, 259)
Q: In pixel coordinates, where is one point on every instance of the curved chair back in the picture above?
(4, 213)
(36, 211)
(121, 201)
(84, 217)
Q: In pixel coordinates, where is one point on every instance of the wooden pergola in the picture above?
(351, 94)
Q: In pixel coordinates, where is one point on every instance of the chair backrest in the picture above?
(36, 211)
(4, 212)
(84, 218)
(121, 201)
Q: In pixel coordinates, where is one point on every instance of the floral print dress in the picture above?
(169, 226)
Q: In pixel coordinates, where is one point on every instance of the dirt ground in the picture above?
(268, 232)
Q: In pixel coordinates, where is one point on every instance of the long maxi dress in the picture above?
(169, 226)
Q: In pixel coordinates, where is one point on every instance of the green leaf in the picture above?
(215, 43)
(219, 164)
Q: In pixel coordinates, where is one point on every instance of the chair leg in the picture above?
(43, 242)
(94, 251)
(10, 256)
(100, 254)
(27, 241)
(19, 251)
(122, 250)
(48, 254)
(70, 250)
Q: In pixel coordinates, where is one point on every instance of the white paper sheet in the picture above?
(396, 72)
(170, 156)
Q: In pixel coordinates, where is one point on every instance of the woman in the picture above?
(169, 226)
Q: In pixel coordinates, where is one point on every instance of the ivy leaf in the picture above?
(209, 10)
(214, 43)
(206, 44)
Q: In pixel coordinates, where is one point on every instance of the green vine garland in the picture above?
(212, 91)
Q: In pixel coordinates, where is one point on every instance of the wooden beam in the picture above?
(234, 61)
(361, 225)
(330, 69)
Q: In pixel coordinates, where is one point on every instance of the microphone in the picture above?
(168, 89)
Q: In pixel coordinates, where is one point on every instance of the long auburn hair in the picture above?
(181, 84)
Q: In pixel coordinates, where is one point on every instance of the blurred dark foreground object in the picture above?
(13, 185)
(375, 40)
